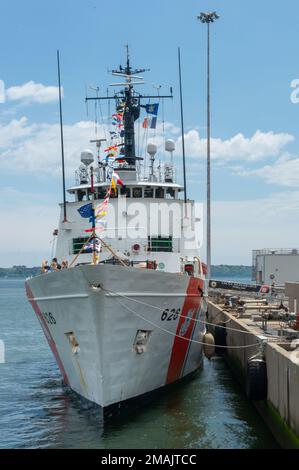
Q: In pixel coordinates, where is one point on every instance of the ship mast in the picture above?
(129, 101)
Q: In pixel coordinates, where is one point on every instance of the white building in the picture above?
(275, 265)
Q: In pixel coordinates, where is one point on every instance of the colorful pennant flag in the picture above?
(89, 230)
(113, 185)
(153, 122)
(102, 206)
(117, 178)
(111, 148)
(150, 122)
(152, 108)
(86, 211)
(101, 214)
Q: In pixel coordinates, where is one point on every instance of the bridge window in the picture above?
(148, 192)
(137, 192)
(170, 193)
(101, 193)
(125, 191)
(160, 193)
(80, 195)
(114, 193)
(159, 244)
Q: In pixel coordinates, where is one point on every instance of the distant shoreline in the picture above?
(223, 270)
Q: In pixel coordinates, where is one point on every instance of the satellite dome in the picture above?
(169, 145)
(87, 157)
(152, 149)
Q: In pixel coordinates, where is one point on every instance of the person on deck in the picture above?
(55, 265)
(45, 266)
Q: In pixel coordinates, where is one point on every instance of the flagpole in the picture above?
(94, 254)
(61, 140)
(208, 18)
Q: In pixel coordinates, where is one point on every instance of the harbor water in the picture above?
(37, 411)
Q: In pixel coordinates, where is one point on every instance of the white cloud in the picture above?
(32, 92)
(12, 133)
(2, 91)
(283, 172)
(259, 223)
(259, 146)
(36, 147)
(29, 219)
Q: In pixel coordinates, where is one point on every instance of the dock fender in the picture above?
(256, 379)
(209, 345)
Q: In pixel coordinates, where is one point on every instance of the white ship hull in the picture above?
(91, 328)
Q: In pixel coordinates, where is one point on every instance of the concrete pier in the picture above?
(281, 409)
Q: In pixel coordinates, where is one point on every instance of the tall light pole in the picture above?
(208, 18)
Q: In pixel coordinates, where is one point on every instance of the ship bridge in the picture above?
(157, 180)
(137, 189)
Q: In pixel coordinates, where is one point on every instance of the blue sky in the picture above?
(254, 123)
